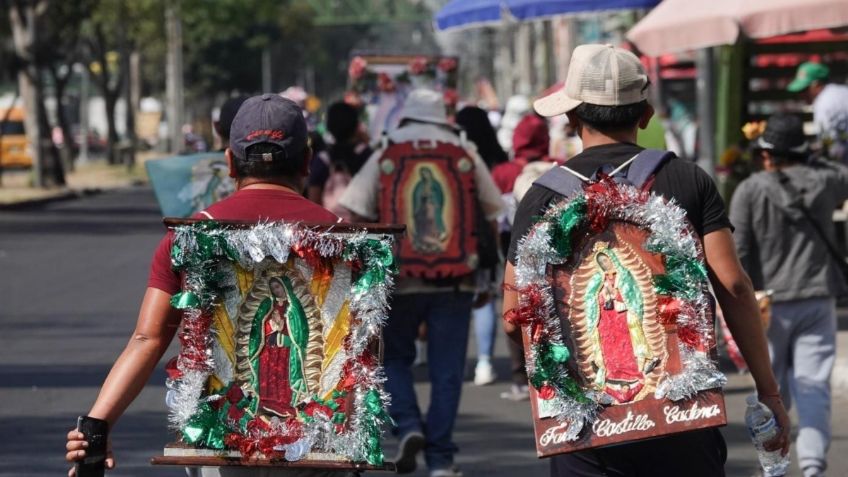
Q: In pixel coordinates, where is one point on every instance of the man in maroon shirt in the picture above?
(269, 159)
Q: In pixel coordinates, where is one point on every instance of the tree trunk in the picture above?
(112, 152)
(54, 173)
(69, 150)
(22, 19)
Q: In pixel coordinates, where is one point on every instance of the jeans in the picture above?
(447, 315)
(802, 344)
(485, 325)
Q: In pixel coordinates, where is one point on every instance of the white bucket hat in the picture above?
(597, 74)
(426, 106)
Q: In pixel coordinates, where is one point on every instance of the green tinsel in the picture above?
(680, 277)
(206, 428)
(184, 300)
(550, 359)
(376, 414)
(565, 223)
(379, 260)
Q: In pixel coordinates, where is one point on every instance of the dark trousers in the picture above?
(447, 315)
(691, 454)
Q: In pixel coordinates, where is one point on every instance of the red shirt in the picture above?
(505, 173)
(246, 204)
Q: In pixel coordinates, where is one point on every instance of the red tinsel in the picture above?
(547, 392)
(171, 369)
(532, 300)
(195, 343)
(310, 255)
(602, 197)
(668, 308)
(313, 408)
(260, 439)
(689, 336)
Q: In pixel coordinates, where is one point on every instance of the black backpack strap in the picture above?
(560, 180)
(646, 164)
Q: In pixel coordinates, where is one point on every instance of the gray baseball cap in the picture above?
(272, 119)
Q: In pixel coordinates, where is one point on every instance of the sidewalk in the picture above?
(94, 176)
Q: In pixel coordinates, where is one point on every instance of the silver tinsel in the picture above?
(699, 374)
(186, 397)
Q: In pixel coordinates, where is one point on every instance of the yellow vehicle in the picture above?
(14, 148)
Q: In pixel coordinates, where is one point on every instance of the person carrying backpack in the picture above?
(427, 177)
(786, 241)
(605, 97)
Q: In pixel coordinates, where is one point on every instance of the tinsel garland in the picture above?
(683, 292)
(223, 420)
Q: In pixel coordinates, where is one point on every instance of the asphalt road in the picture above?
(72, 275)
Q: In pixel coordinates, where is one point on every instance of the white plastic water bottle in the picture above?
(763, 427)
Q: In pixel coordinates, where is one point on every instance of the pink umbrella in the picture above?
(679, 25)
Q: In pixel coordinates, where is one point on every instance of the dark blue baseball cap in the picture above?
(271, 119)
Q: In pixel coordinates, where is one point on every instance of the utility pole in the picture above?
(129, 143)
(524, 58)
(174, 75)
(704, 86)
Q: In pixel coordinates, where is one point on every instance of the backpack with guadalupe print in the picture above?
(616, 312)
(430, 187)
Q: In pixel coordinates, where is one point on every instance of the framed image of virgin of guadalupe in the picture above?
(617, 321)
(280, 358)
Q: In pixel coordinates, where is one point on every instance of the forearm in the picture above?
(127, 378)
(510, 302)
(735, 294)
(157, 324)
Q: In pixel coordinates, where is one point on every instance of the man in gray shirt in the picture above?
(783, 217)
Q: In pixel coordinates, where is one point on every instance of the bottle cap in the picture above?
(752, 400)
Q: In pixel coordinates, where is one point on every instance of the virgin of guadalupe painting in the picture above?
(621, 354)
(428, 203)
(279, 332)
(611, 297)
(276, 352)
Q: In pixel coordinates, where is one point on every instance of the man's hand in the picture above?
(781, 440)
(76, 447)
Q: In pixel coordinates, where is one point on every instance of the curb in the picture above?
(62, 196)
